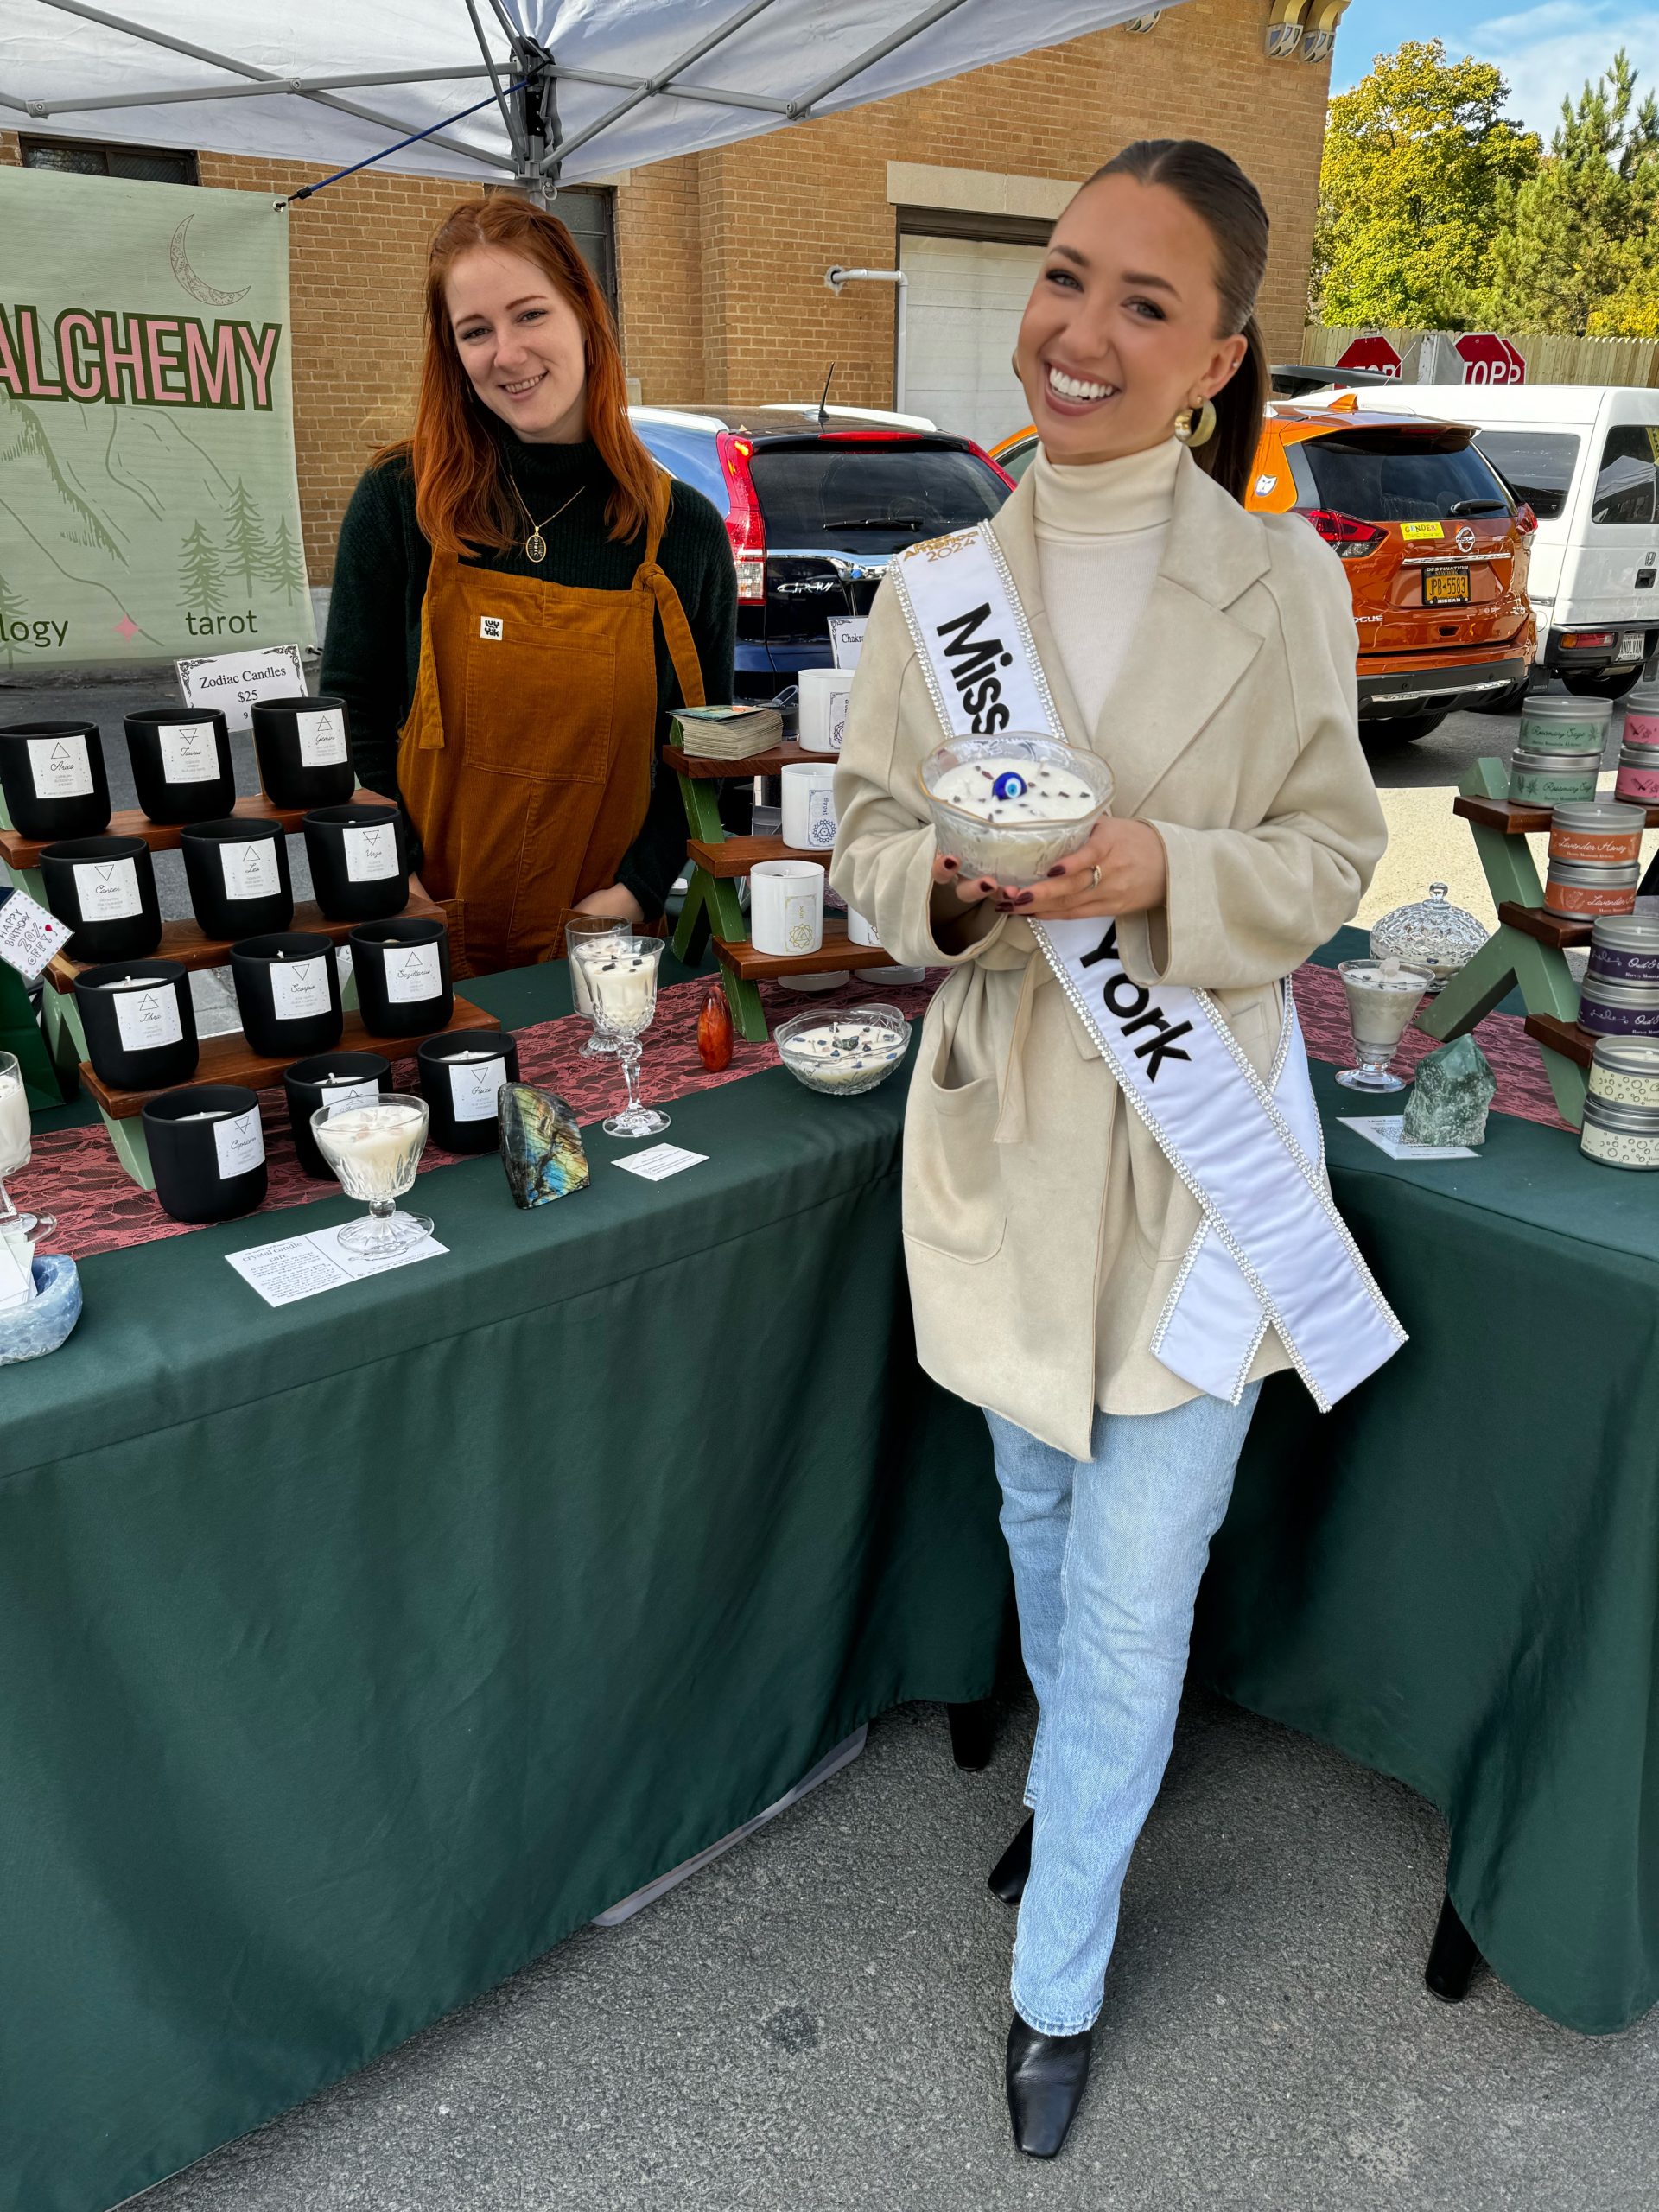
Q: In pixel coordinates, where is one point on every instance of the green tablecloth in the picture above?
(352, 1654)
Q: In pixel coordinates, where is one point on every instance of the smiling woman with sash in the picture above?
(1116, 1220)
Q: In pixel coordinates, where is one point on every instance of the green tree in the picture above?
(245, 551)
(283, 565)
(11, 608)
(1578, 248)
(199, 572)
(1418, 163)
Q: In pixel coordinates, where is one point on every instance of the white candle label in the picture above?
(322, 738)
(251, 870)
(371, 852)
(299, 988)
(475, 1085)
(820, 817)
(107, 891)
(189, 752)
(801, 923)
(62, 766)
(412, 973)
(147, 1018)
(350, 1093)
(240, 1142)
(837, 731)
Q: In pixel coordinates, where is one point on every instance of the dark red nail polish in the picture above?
(1057, 869)
(1024, 899)
(949, 862)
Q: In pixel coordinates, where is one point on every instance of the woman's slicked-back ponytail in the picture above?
(1218, 191)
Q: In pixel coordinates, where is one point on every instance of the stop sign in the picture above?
(1372, 352)
(1488, 358)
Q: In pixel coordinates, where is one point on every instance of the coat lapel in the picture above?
(1187, 652)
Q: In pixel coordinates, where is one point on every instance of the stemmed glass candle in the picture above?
(374, 1147)
(1383, 996)
(578, 930)
(16, 1141)
(621, 975)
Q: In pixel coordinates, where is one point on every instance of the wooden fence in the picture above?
(1548, 360)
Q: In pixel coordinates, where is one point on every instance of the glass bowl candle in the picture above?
(1009, 807)
(374, 1146)
(846, 1052)
(1383, 996)
(622, 981)
(16, 1147)
(358, 1078)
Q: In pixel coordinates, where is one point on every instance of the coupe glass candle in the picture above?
(304, 751)
(238, 872)
(140, 1023)
(1383, 996)
(105, 889)
(53, 779)
(579, 928)
(16, 1144)
(181, 763)
(375, 1149)
(350, 1078)
(622, 979)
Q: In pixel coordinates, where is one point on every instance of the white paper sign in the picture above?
(146, 1019)
(1384, 1131)
(240, 1142)
(659, 1159)
(107, 891)
(299, 1266)
(474, 1086)
(189, 752)
(371, 851)
(323, 737)
(412, 972)
(349, 1094)
(232, 682)
(62, 766)
(28, 935)
(299, 988)
(251, 870)
(847, 639)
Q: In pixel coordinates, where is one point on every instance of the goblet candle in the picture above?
(375, 1149)
(579, 929)
(1383, 996)
(621, 976)
(16, 1143)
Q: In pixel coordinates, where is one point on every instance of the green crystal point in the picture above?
(1453, 1089)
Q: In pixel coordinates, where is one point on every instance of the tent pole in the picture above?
(535, 148)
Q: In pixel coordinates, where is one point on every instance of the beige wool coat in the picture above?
(1042, 1227)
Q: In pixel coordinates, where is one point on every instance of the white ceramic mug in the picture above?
(824, 693)
(858, 930)
(786, 905)
(808, 806)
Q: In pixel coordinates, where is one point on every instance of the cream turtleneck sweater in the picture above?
(1100, 530)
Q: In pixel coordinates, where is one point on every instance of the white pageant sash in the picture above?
(1271, 1249)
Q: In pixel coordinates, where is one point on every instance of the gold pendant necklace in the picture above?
(535, 544)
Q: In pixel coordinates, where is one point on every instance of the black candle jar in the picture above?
(238, 878)
(105, 889)
(402, 977)
(287, 989)
(308, 1083)
(359, 864)
(143, 1039)
(181, 763)
(207, 1149)
(53, 776)
(461, 1074)
(304, 750)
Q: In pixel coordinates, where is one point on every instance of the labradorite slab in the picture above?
(541, 1145)
(1448, 1102)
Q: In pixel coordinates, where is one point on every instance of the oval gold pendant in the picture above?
(536, 546)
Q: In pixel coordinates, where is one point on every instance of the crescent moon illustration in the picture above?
(187, 276)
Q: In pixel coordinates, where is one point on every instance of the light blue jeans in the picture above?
(1108, 1552)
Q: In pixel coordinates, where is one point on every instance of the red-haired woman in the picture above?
(521, 593)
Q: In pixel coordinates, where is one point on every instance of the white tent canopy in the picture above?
(605, 85)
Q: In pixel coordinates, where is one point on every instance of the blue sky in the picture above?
(1545, 51)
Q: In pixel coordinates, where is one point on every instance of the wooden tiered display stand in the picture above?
(1528, 948)
(712, 905)
(226, 1059)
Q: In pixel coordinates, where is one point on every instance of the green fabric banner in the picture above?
(149, 504)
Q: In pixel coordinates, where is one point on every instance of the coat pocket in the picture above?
(953, 1199)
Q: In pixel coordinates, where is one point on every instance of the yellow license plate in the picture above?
(1445, 587)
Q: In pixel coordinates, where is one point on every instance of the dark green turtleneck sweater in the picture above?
(373, 647)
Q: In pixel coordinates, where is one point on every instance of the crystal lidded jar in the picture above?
(1429, 933)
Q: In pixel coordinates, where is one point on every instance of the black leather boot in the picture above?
(1045, 2077)
(1007, 1879)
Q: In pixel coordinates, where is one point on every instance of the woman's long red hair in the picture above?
(460, 501)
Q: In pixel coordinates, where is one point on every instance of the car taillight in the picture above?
(744, 525)
(1352, 539)
(1587, 640)
(1525, 520)
(980, 453)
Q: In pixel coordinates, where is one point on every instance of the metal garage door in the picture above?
(966, 298)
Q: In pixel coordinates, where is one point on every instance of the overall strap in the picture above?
(676, 631)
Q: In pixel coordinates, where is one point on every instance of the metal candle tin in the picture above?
(1553, 778)
(1605, 836)
(1638, 775)
(1550, 723)
(1618, 1009)
(1642, 714)
(1625, 948)
(1624, 1071)
(1579, 892)
(1619, 1135)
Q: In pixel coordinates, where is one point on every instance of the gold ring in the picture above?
(1094, 878)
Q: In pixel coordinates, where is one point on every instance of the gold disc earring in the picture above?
(1199, 432)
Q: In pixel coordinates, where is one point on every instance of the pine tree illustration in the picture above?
(283, 564)
(10, 607)
(245, 551)
(201, 573)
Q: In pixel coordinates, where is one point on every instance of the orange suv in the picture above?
(1434, 543)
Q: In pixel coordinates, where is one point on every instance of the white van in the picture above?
(1586, 458)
